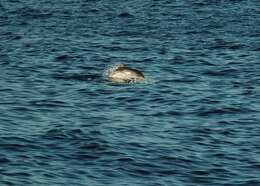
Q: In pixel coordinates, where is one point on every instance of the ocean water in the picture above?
(196, 122)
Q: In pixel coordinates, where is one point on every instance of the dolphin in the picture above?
(124, 74)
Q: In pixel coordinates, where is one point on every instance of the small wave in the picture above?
(4, 160)
(164, 114)
(228, 46)
(47, 103)
(125, 14)
(61, 57)
(27, 12)
(79, 77)
(222, 73)
(222, 111)
(11, 36)
(256, 49)
(17, 144)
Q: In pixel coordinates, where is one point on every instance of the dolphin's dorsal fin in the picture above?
(121, 65)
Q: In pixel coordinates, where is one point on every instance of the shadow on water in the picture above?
(101, 77)
(80, 77)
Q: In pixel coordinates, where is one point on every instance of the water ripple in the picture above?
(194, 122)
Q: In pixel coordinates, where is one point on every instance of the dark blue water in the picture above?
(195, 123)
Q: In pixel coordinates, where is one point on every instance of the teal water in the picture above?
(196, 121)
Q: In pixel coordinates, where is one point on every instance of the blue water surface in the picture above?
(195, 122)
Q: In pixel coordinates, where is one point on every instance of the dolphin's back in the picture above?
(132, 71)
